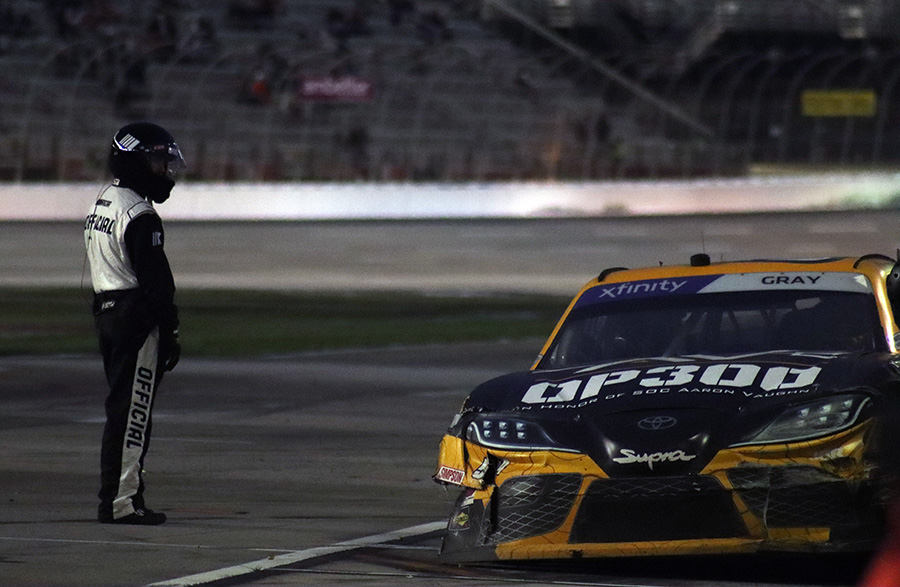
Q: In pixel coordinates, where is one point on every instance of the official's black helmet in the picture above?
(145, 158)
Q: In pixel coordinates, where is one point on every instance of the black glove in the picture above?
(169, 350)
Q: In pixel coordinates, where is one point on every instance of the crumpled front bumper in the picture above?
(811, 496)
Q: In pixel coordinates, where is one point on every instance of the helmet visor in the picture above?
(167, 160)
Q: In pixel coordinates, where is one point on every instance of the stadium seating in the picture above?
(471, 94)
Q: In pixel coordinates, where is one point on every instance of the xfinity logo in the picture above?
(657, 423)
(627, 289)
(629, 456)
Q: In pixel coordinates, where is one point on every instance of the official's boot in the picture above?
(140, 517)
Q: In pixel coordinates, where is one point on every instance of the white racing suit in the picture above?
(137, 322)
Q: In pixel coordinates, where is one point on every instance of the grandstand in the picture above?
(451, 90)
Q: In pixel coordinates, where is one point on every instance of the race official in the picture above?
(134, 309)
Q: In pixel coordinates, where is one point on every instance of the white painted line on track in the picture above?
(298, 556)
(142, 543)
(468, 579)
(109, 542)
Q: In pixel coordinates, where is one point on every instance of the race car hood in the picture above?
(679, 411)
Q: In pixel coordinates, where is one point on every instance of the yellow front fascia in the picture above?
(459, 454)
(842, 455)
(534, 549)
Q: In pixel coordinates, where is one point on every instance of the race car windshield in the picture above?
(717, 324)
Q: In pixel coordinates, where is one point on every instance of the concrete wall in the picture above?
(196, 201)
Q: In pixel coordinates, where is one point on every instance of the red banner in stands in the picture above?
(346, 88)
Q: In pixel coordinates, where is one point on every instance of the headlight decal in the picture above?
(510, 433)
(811, 420)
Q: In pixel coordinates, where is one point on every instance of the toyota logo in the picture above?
(657, 423)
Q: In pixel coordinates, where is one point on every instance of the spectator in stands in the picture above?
(67, 16)
(161, 35)
(169, 5)
(68, 60)
(357, 20)
(341, 25)
(357, 145)
(398, 10)
(432, 27)
(131, 85)
(201, 43)
(336, 26)
(257, 90)
(76, 18)
(308, 37)
(603, 149)
(253, 14)
(465, 9)
(101, 16)
(525, 84)
(270, 75)
(13, 23)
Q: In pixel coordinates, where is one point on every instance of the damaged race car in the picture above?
(698, 409)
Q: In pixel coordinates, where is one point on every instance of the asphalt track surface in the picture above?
(315, 469)
(547, 255)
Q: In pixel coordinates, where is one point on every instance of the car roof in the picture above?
(875, 267)
(871, 265)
